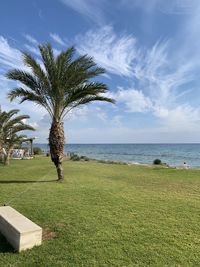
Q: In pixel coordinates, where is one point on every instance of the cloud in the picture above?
(117, 121)
(150, 61)
(30, 39)
(115, 53)
(162, 81)
(110, 135)
(182, 117)
(162, 73)
(40, 14)
(57, 39)
(134, 100)
(32, 49)
(79, 113)
(161, 78)
(42, 127)
(34, 125)
(3, 82)
(177, 7)
(189, 34)
(76, 119)
(9, 57)
(170, 7)
(87, 113)
(155, 81)
(91, 9)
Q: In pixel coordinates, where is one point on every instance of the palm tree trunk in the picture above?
(1, 153)
(56, 143)
(7, 157)
(2, 157)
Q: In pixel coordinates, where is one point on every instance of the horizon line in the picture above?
(161, 143)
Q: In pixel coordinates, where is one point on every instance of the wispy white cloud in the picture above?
(56, 51)
(170, 7)
(163, 74)
(3, 81)
(91, 9)
(177, 7)
(32, 49)
(57, 39)
(115, 53)
(157, 74)
(40, 14)
(31, 39)
(160, 80)
(9, 56)
(150, 61)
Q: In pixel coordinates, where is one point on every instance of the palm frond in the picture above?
(17, 120)
(24, 127)
(48, 60)
(63, 83)
(24, 77)
(35, 68)
(26, 95)
(10, 126)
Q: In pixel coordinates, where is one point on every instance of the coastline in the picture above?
(173, 155)
(162, 165)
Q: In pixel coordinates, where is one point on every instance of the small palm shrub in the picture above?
(37, 151)
(157, 162)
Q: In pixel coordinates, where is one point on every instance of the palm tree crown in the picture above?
(60, 84)
(10, 126)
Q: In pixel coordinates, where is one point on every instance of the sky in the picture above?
(149, 48)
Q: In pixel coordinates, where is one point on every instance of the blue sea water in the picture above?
(172, 154)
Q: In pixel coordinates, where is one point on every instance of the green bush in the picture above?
(75, 157)
(37, 151)
(84, 158)
(157, 162)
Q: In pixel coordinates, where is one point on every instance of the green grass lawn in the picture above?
(104, 214)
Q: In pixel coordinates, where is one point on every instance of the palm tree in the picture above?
(6, 124)
(60, 85)
(10, 125)
(11, 142)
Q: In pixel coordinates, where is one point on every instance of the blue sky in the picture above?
(150, 49)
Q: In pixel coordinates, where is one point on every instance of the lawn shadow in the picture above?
(25, 181)
(4, 245)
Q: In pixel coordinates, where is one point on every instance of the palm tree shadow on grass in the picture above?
(25, 181)
(4, 245)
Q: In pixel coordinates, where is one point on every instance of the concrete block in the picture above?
(20, 232)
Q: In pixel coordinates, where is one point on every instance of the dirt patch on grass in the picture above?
(47, 234)
(60, 225)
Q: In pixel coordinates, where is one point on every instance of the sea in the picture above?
(172, 154)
